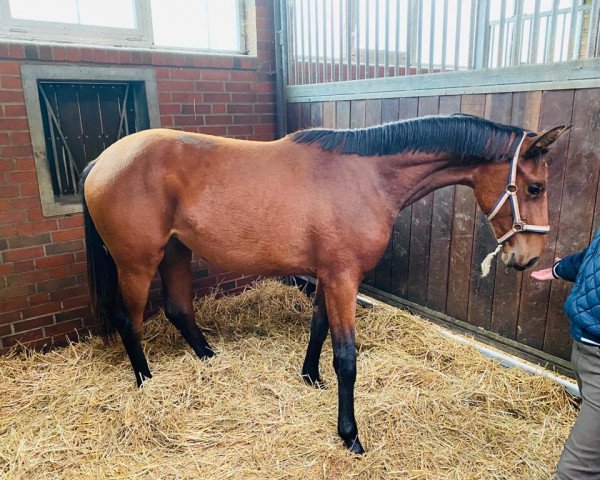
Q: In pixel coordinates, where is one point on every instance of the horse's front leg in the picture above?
(319, 326)
(340, 298)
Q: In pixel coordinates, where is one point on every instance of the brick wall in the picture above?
(43, 287)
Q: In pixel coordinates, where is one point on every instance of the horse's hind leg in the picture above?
(319, 326)
(176, 274)
(134, 286)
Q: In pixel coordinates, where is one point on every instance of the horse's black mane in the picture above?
(466, 136)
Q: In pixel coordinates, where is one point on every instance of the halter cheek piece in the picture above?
(510, 193)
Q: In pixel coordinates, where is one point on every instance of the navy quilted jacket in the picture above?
(583, 303)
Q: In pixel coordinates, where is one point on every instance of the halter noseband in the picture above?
(511, 193)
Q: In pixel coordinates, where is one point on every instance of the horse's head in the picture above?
(513, 195)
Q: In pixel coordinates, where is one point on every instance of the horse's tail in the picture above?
(102, 271)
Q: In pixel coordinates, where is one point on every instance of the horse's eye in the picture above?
(535, 189)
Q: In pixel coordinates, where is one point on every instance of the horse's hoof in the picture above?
(142, 378)
(354, 446)
(313, 380)
(206, 354)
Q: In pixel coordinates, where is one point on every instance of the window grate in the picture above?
(80, 120)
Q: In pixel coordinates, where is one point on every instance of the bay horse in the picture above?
(318, 202)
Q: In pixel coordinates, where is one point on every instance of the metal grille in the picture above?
(338, 40)
(80, 121)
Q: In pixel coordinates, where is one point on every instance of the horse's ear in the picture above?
(541, 142)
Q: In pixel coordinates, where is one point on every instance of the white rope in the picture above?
(486, 265)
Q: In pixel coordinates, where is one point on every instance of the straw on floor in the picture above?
(427, 407)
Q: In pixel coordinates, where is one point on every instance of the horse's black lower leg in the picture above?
(340, 297)
(176, 274)
(319, 327)
(186, 324)
(132, 344)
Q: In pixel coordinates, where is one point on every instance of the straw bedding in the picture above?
(427, 407)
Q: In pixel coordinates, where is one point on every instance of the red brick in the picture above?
(175, 85)
(4, 330)
(240, 129)
(60, 271)
(243, 97)
(218, 108)
(26, 277)
(38, 299)
(112, 56)
(10, 68)
(82, 301)
(184, 74)
(23, 254)
(8, 293)
(37, 227)
(6, 164)
(15, 110)
(13, 304)
(124, 56)
(18, 151)
(19, 138)
(210, 87)
(80, 312)
(163, 73)
(80, 267)
(99, 55)
(44, 309)
(55, 260)
(70, 234)
(67, 293)
(23, 337)
(59, 54)
(216, 97)
(56, 284)
(25, 202)
(11, 191)
(24, 266)
(239, 108)
(11, 83)
(29, 189)
(25, 164)
(12, 216)
(219, 119)
(63, 327)
(197, 109)
(13, 96)
(35, 214)
(29, 240)
(17, 178)
(71, 221)
(9, 317)
(7, 268)
(32, 323)
(87, 55)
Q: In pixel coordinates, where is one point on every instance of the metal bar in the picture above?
(341, 25)
(348, 41)
(309, 25)
(52, 139)
(562, 39)
(409, 33)
(501, 29)
(387, 39)
(324, 41)
(397, 45)
(292, 41)
(303, 63)
(482, 35)
(357, 39)
(572, 29)
(57, 124)
(535, 33)
(331, 24)
(316, 41)
(593, 30)
(472, 30)
(517, 34)
(551, 33)
(444, 34)
(457, 34)
(376, 68)
(431, 35)
(368, 40)
(123, 111)
(419, 33)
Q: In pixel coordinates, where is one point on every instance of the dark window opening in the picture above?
(81, 119)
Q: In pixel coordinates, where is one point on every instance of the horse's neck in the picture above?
(411, 177)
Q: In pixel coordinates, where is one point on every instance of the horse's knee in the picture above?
(344, 364)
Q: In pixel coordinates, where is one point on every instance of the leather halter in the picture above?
(510, 193)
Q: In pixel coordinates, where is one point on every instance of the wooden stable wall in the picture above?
(439, 242)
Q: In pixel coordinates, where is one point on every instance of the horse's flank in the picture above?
(252, 207)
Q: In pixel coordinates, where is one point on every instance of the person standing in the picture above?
(580, 459)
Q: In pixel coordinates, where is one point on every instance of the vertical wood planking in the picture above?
(441, 229)
(357, 113)
(329, 114)
(462, 231)
(372, 117)
(305, 114)
(534, 314)
(383, 272)
(420, 234)
(407, 108)
(342, 114)
(316, 114)
(576, 215)
(293, 117)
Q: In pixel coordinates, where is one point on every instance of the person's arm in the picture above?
(568, 267)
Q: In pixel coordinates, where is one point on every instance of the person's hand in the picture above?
(545, 274)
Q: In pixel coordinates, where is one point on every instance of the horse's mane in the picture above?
(466, 136)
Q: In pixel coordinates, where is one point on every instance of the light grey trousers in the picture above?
(580, 459)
